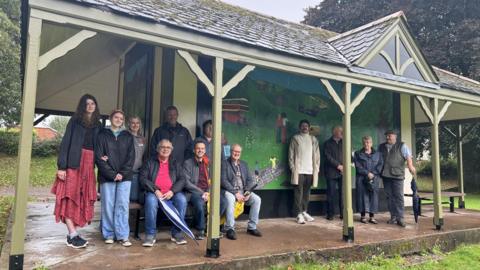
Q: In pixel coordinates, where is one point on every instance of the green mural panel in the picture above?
(263, 111)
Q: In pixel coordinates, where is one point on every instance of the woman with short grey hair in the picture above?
(368, 164)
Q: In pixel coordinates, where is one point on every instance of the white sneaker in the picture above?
(307, 217)
(109, 241)
(300, 219)
(126, 243)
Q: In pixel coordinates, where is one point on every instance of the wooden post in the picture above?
(348, 233)
(437, 187)
(461, 200)
(25, 146)
(213, 240)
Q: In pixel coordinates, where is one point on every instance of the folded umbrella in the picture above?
(415, 200)
(173, 215)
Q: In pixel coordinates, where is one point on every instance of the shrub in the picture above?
(9, 144)
(448, 167)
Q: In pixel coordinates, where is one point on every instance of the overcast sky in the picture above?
(290, 10)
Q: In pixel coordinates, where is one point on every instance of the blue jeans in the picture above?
(115, 199)
(199, 207)
(254, 202)
(151, 209)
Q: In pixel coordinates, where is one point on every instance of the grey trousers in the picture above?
(302, 193)
(394, 191)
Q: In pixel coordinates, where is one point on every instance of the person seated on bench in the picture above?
(237, 183)
(162, 179)
(197, 185)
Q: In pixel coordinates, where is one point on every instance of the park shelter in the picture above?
(145, 55)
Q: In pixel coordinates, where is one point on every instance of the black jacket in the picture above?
(149, 172)
(228, 176)
(333, 157)
(72, 142)
(367, 163)
(180, 138)
(120, 152)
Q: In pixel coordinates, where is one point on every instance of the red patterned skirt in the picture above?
(76, 195)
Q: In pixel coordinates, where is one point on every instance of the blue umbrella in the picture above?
(172, 214)
(415, 200)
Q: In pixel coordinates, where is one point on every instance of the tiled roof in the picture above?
(229, 22)
(220, 20)
(353, 44)
(456, 82)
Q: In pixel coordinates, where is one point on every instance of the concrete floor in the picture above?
(45, 242)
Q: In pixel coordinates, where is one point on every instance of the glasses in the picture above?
(235, 151)
(165, 147)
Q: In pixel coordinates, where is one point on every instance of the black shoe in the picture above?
(231, 235)
(330, 217)
(77, 242)
(392, 221)
(254, 232)
(341, 217)
(401, 223)
(200, 236)
(363, 220)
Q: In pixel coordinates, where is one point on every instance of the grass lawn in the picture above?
(5, 206)
(42, 171)
(464, 257)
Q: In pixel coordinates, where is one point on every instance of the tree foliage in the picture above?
(447, 30)
(10, 87)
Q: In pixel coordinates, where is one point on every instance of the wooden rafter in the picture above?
(64, 47)
(333, 94)
(195, 68)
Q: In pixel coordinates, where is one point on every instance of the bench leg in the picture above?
(452, 204)
(137, 225)
(461, 203)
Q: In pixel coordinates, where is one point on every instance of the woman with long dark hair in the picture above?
(75, 187)
(115, 156)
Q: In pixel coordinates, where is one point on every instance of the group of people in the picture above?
(178, 169)
(386, 164)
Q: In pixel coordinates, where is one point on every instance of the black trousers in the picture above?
(332, 184)
(302, 193)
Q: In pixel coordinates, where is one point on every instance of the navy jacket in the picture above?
(72, 142)
(180, 138)
(333, 157)
(228, 176)
(365, 163)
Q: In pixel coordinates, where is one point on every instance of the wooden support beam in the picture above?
(235, 80)
(40, 119)
(348, 231)
(461, 189)
(443, 111)
(64, 47)
(437, 188)
(333, 94)
(425, 108)
(213, 229)
(360, 97)
(25, 143)
(195, 68)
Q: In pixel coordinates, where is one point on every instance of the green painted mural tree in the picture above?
(447, 30)
(10, 86)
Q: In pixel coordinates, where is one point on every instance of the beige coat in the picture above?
(294, 157)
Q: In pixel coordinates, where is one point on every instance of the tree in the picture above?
(10, 87)
(447, 30)
(59, 123)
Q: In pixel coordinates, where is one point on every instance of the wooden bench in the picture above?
(318, 197)
(137, 207)
(428, 196)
